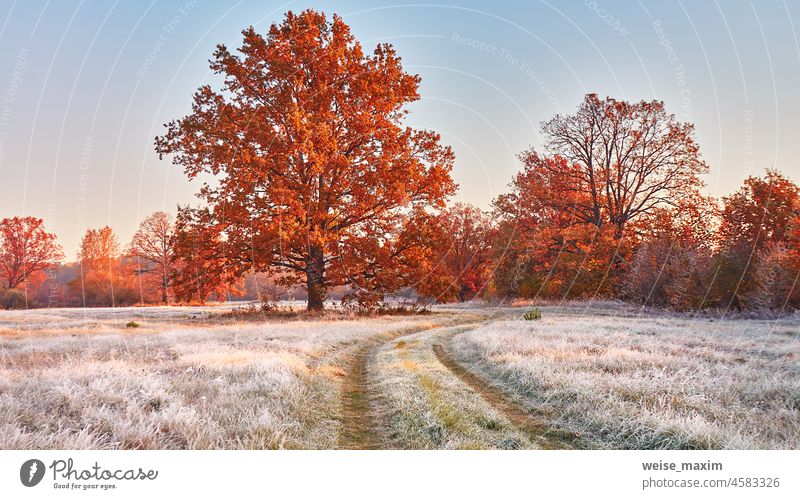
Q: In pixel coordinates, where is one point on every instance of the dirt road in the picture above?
(405, 390)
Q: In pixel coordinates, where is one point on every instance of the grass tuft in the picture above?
(533, 315)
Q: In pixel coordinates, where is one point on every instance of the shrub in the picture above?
(774, 279)
(11, 299)
(533, 315)
(132, 324)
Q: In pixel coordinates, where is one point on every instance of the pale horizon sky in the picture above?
(85, 86)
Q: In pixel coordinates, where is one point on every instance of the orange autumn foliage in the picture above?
(151, 253)
(460, 259)
(756, 267)
(26, 251)
(570, 224)
(619, 160)
(104, 279)
(314, 170)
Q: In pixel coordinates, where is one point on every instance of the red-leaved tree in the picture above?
(26, 250)
(314, 169)
(461, 238)
(201, 266)
(151, 248)
(563, 230)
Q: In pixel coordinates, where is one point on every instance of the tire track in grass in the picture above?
(357, 430)
(360, 428)
(534, 426)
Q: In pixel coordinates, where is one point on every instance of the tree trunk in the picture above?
(164, 284)
(164, 287)
(619, 229)
(315, 279)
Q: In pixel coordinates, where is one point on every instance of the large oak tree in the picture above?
(603, 172)
(313, 168)
(613, 161)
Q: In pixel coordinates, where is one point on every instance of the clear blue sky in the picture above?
(86, 85)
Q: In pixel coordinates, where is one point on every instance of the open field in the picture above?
(172, 383)
(645, 383)
(595, 375)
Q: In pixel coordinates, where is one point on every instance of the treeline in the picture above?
(739, 252)
(105, 274)
(319, 184)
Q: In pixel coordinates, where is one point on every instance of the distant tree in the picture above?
(609, 167)
(613, 161)
(317, 173)
(152, 250)
(462, 253)
(544, 249)
(26, 250)
(756, 219)
(760, 212)
(99, 250)
(201, 267)
(102, 281)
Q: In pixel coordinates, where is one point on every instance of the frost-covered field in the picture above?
(425, 407)
(186, 378)
(627, 382)
(212, 377)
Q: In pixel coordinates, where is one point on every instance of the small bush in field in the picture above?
(12, 299)
(533, 315)
(132, 324)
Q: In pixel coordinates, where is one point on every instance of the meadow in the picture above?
(650, 383)
(596, 375)
(184, 378)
